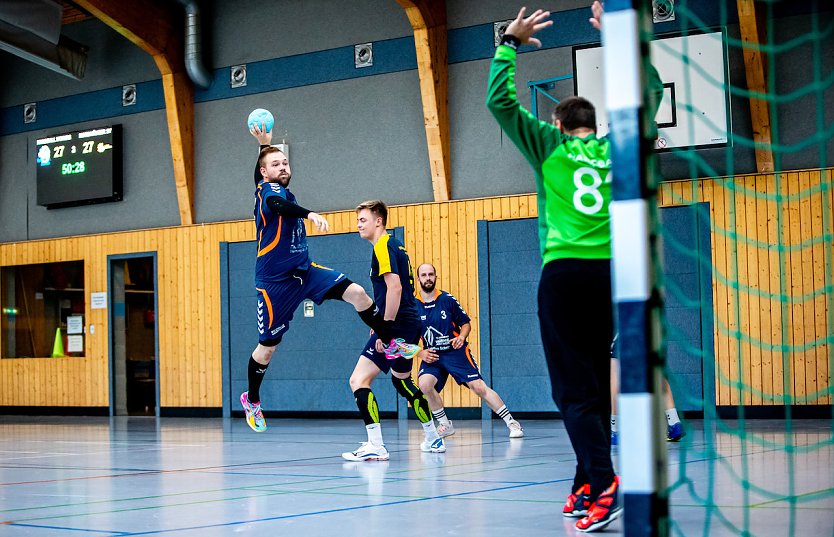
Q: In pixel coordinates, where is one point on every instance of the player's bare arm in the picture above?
(457, 342)
(393, 295)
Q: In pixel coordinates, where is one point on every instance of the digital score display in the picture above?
(80, 167)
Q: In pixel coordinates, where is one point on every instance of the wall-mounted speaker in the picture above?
(238, 76)
(30, 112)
(363, 55)
(498, 29)
(663, 10)
(129, 95)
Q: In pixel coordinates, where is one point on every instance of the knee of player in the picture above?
(263, 354)
(479, 388)
(426, 383)
(355, 294)
(357, 382)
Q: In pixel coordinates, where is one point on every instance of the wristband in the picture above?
(511, 41)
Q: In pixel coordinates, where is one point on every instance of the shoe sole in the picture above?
(516, 435)
(604, 524)
(446, 435)
(254, 427)
(574, 514)
(251, 424)
(361, 459)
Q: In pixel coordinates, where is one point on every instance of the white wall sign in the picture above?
(98, 301)
(75, 324)
(75, 343)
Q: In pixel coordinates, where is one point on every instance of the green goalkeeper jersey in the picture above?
(573, 175)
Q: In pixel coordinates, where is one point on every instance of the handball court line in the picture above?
(301, 515)
(259, 489)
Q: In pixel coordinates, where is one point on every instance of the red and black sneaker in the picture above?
(578, 503)
(605, 510)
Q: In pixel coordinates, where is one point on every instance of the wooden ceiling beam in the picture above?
(428, 20)
(155, 28)
(750, 17)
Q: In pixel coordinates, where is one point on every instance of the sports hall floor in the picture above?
(205, 477)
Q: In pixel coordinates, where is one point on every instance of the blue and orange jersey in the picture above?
(442, 318)
(390, 256)
(282, 241)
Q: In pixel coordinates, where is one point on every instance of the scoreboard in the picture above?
(79, 167)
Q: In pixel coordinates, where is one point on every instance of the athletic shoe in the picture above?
(614, 438)
(367, 452)
(398, 348)
(254, 415)
(578, 503)
(675, 432)
(435, 446)
(605, 510)
(444, 430)
(515, 429)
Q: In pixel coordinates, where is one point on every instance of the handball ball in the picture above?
(260, 116)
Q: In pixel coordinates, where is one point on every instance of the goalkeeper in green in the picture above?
(573, 183)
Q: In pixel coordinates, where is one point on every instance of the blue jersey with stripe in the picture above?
(442, 318)
(282, 241)
(390, 256)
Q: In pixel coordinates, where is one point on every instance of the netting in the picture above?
(766, 195)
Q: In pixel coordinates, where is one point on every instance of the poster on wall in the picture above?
(75, 343)
(75, 324)
(98, 301)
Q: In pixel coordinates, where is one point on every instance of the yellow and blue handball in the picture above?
(260, 116)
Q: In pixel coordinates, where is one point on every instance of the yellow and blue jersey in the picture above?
(282, 241)
(442, 318)
(390, 256)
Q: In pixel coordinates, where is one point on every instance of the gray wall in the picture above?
(353, 135)
(349, 141)
(150, 197)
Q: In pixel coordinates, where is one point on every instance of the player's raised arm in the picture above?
(535, 139)
(523, 28)
(263, 136)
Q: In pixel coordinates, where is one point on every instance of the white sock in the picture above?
(672, 416)
(441, 417)
(613, 423)
(505, 415)
(375, 434)
(430, 430)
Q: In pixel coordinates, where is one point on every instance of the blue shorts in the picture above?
(277, 301)
(459, 363)
(411, 334)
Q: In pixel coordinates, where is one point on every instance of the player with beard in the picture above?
(284, 273)
(446, 352)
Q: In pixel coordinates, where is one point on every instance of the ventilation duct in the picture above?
(31, 29)
(193, 45)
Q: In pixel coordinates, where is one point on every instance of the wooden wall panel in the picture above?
(772, 291)
(772, 283)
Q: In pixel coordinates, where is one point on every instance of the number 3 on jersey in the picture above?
(583, 190)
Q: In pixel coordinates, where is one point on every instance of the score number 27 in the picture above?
(86, 147)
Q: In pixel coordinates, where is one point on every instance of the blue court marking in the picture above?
(62, 528)
(299, 515)
(343, 509)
